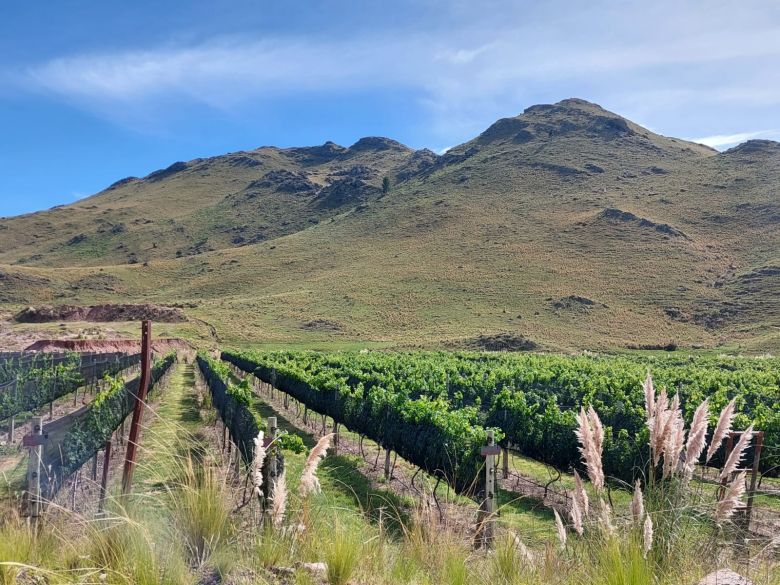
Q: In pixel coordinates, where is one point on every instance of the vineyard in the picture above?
(230, 447)
(434, 408)
(30, 380)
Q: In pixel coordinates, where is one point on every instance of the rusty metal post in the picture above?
(135, 425)
(104, 481)
(754, 477)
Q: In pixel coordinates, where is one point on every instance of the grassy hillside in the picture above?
(568, 225)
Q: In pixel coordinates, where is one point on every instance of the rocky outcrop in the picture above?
(285, 182)
(176, 167)
(100, 313)
(618, 215)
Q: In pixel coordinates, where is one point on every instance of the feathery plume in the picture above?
(580, 494)
(675, 441)
(560, 528)
(605, 517)
(598, 429)
(697, 438)
(675, 402)
(576, 515)
(731, 499)
(257, 464)
(722, 429)
(660, 420)
(637, 504)
(279, 501)
(736, 455)
(649, 396)
(647, 536)
(309, 482)
(591, 456)
(523, 550)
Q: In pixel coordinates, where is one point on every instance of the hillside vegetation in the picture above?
(568, 226)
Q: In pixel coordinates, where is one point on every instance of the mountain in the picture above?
(567, 225)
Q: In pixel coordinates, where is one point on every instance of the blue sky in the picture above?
(91, 92)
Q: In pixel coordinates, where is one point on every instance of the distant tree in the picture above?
(386, 185)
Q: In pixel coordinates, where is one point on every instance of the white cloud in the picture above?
(489, 60)
(720, 141)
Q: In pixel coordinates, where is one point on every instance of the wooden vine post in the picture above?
(488, 507)
(387, 463)
(754, 476)
(35, 443)
(273, 471)
(273, 431)
(140, 399)
(104, 480)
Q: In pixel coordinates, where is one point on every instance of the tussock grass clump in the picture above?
(201, 512)
(342, 553)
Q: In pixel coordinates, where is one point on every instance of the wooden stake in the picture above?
(135, 425)
(487, 509)
(34, 471)
(754, 477)
(387, 463)
(104, 480)
(273, 431)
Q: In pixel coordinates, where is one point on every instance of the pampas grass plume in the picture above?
(731, 499)
(736, 455)
(309, 482)
(647, 536)
(697, 438)
(580, 494)
(560, 528)
(637, 504)
(279, 502)
(257, 464)
(722, 429)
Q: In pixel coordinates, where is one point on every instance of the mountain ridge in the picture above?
(671, 240)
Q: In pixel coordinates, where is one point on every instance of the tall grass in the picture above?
(196, 525)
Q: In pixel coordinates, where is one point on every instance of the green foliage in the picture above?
(421, 428)
(241, 391)
(531, 398)
(233, 401)
(290, 442)
(43, 378)
(103, 415)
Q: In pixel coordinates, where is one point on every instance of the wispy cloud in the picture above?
(489, 60)
(720, 141)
